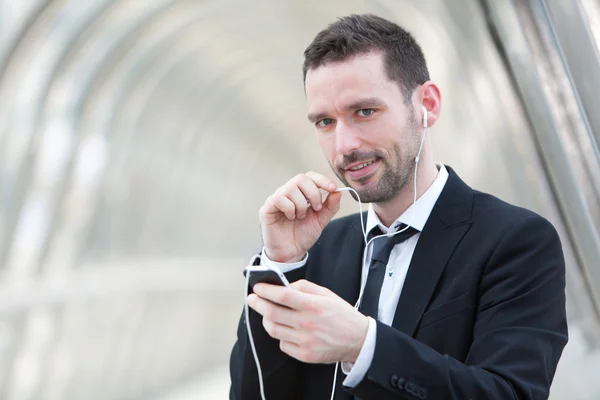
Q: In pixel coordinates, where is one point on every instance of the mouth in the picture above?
(362, 169)
(360, 165)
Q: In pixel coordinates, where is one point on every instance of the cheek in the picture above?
(327, 144)
(378, 131)
(379, 135)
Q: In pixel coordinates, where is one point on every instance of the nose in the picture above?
(347, 139)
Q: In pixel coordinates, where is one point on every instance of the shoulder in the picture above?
(487, 213)
(513, 232)
(493, 212)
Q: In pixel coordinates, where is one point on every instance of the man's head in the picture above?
(365, 81)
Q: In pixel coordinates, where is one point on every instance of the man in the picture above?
(467, 302)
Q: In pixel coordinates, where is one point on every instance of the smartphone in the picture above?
(259, 273)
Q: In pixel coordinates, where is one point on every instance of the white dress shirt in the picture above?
(397, 268)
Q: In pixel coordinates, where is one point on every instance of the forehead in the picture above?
(346, 81)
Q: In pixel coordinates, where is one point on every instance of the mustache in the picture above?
(357, 156)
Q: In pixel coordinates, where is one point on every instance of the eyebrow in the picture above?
(370, 102)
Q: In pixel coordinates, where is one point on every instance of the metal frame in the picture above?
(526, 37)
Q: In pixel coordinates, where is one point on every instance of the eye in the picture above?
(366, 112)
(325, 122)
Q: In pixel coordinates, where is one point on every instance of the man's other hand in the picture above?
(312, 323)
(293, 217)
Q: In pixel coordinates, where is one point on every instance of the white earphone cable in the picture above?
(251, 339)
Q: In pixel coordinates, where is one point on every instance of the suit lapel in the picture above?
(447, 224)
(348, 266)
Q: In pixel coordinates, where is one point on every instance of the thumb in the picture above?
(312, 288)
(330, 207)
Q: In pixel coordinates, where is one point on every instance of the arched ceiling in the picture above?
(188, 110)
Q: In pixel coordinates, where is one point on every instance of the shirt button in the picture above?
(394, 380)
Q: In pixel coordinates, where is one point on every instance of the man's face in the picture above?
(368, 134)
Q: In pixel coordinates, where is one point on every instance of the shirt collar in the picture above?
(424, 205)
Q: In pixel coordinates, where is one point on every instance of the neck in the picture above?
(389, 211)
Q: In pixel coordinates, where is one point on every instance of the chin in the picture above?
(376, 190)
(369, 193)
(368, 183)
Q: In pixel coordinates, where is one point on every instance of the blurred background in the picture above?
(138, 139)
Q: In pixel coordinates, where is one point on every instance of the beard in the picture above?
(397, 170)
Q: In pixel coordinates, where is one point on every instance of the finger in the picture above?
(310, 191)
(279, 331)
(294, 194)
(332, 202)
(331, 207)
(280, 203)
(297, 352)
(322, 181)
(282, 295)
(309, 287)
(252, 301)
(271, 311)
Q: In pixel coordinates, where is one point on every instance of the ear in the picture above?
(431, 98)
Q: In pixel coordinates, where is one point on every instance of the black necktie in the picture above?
(382, 248)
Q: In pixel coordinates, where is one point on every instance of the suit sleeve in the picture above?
(279, 370)
(519, 333)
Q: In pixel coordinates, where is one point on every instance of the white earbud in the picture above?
(422, 140)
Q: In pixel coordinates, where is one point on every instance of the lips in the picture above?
(362, 169)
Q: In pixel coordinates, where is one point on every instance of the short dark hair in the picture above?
(361, 34)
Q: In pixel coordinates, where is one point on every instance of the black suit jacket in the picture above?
(481, 314)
